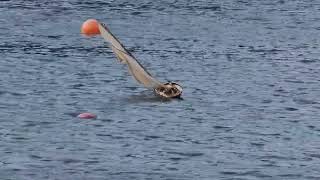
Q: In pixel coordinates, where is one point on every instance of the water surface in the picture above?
(250, 73)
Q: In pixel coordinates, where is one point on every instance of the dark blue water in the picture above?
(250, 72)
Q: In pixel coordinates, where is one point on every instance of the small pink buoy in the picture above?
(87, 115)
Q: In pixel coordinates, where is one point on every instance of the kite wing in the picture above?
(124, 56)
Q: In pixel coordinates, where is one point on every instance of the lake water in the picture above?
(250, 108)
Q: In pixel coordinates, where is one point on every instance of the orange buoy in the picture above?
(90, 27)
(87, 115)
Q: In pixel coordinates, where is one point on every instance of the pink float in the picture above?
(87, 115)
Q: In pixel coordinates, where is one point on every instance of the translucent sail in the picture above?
(124, 56)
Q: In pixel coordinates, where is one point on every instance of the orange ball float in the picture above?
(90, 27)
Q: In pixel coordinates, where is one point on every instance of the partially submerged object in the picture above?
(141, 75)
(87, 115)
(167, 90)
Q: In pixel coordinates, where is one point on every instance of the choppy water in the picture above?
(250, 73)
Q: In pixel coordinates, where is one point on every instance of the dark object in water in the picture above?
(140, 74)
(169, 90)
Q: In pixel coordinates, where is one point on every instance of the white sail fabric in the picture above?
(124, 56)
